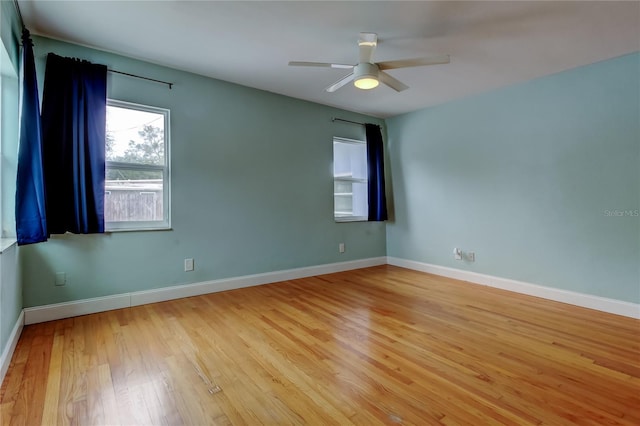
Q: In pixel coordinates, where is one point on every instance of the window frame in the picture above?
(340, 219)
(165, 169)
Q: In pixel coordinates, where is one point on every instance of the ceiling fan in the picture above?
(367, 74)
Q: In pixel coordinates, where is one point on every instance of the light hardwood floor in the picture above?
(381, 345)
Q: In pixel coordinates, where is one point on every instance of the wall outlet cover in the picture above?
(61, 278)
(188, 265)
(457, 253)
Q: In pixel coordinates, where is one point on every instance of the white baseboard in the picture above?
(10, 347)
(100, 304)
(177, 292)
(75, 308)
(604, 304)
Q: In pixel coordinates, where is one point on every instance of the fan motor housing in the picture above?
(365, 69)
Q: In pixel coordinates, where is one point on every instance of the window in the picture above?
(137, 169)
(350, 189)
(9, 125)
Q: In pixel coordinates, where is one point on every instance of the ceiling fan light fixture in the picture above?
(366, 83)
(366, 76)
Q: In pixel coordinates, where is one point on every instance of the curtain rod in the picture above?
(15, 4)
(143, 78)
(349, 121)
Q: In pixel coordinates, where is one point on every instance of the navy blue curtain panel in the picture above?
(31, 221)
(74, 108)
(375, 162)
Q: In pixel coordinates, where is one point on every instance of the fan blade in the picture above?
(417, 62)
(367, 45)
(396, 85)
(319, 64)
(338, 84)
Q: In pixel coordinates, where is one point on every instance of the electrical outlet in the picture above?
(457, 253)
(471, 256)
(188, 265)
(61, 278)
(341, 247)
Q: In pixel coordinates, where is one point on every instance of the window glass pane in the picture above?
(350, 191)
(133, 195)
(137, 187)
(135, 136)
(350, 160)
(350, 199)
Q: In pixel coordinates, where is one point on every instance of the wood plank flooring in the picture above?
(381, 345)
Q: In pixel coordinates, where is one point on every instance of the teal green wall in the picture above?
(10, 294)
(10, 30)
(524, 176)
(252, 191)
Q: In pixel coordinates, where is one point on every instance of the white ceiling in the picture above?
(492, 44)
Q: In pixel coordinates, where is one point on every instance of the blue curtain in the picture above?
(375, 162)
(73, 132)
(31, 222)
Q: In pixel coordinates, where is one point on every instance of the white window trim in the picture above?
(348, 179)
(351, 219)
(165, 224)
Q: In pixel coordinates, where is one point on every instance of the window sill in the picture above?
(351, 219)
(160, 228)
(7, 243)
